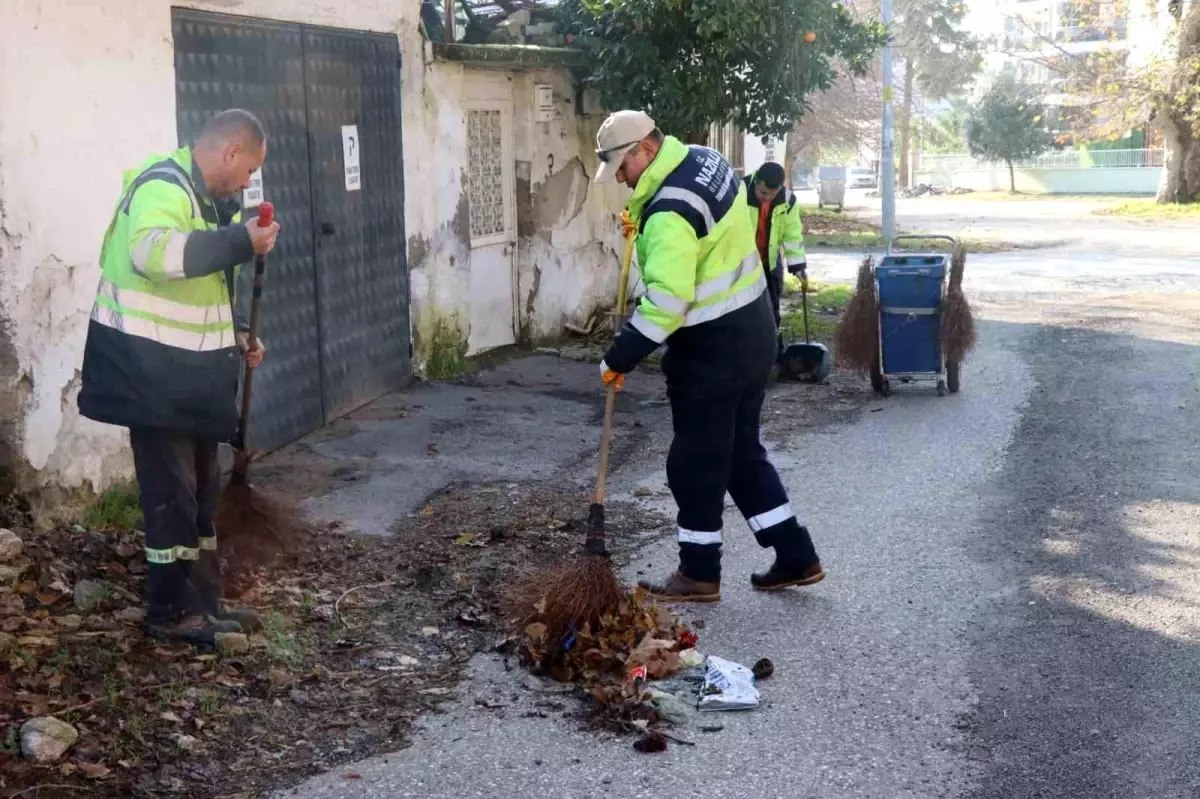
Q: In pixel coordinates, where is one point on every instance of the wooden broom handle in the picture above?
(610, 400)
(266, 215)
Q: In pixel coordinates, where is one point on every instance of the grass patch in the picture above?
(283, 646)
(117, 509)
(826, 302)
(1149, 209)
(835, 230)
(447, 350)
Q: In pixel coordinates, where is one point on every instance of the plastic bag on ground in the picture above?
(727, 686)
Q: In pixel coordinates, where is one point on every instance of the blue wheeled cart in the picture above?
(909, 289)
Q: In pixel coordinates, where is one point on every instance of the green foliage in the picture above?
(1007, 125)
(118, 509)
(694, 63)
(945, 132)
(943, 57)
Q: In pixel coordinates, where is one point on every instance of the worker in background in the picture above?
(706, 299)
(780, 235)
(162, 357)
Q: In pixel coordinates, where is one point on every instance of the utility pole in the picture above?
(887, 176)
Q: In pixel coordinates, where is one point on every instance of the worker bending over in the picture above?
(780, 237)
(162, 357)
(706, 299)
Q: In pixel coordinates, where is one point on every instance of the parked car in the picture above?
(862, 177)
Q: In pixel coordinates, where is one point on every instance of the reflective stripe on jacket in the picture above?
(161, 348)
(695, 249)
(785, 232)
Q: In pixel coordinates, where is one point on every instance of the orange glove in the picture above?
(627, 226)
(612, 379)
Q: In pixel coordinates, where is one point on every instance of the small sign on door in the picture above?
(350, 157)
(253, 196)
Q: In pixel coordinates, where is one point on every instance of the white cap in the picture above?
(617, 136)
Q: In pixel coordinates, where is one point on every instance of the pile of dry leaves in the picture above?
(637, 642)
(362, 636)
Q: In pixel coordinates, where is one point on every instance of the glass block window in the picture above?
(486, 177)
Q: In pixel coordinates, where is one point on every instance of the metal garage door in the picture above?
(335, 308)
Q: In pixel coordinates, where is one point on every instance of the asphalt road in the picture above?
(1070, 225)
(1013, 601)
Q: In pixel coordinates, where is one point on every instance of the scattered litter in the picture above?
(669, 707)
(727, 686)
(429, 632)
(763, 669)
(691, 658)
(712, 728)
(651, 743)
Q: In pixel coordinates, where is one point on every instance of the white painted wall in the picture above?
(569, 236)
(87, 90)
(756, 152)
(1094, 180)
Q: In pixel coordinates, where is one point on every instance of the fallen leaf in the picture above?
(537, 630)
(94, 771)
(468, 540)
(48, 599)
(169, 716)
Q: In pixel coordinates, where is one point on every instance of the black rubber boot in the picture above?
(195, 630)
(207, 574)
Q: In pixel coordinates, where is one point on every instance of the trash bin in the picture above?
(831, 186)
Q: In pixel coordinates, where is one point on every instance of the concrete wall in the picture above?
(569, 243)
(87, 90)
(1094, 180)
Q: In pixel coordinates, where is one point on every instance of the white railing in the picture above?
(1064, 159)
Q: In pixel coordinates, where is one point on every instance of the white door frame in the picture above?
(494, 92)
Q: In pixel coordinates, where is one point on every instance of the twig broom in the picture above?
(567, 597)
(253, 525)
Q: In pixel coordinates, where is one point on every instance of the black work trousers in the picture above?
(716, 405)
(179, 477)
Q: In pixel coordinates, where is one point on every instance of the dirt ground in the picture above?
(365, 632)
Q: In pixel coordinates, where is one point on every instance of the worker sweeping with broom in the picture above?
(707, 300)
(162, 357)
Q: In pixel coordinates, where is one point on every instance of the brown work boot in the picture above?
(783, 574)
(196, 629)
(681, 588)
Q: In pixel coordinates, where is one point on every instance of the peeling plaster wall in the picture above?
(87, 90)
(569, 247)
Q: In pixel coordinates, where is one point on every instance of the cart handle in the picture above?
(953, 241)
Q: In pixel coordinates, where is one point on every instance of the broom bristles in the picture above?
(565, 597)
(254, 527)
(958, 324)
(856, 339)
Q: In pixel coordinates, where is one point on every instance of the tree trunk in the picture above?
(1012, 176)
(1180, 181)
(906, 125)
(696, 138)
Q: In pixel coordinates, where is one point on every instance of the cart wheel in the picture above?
(941, 388)
(877, 381)
(952, 376)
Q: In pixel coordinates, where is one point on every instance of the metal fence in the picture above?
(1063, 159)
